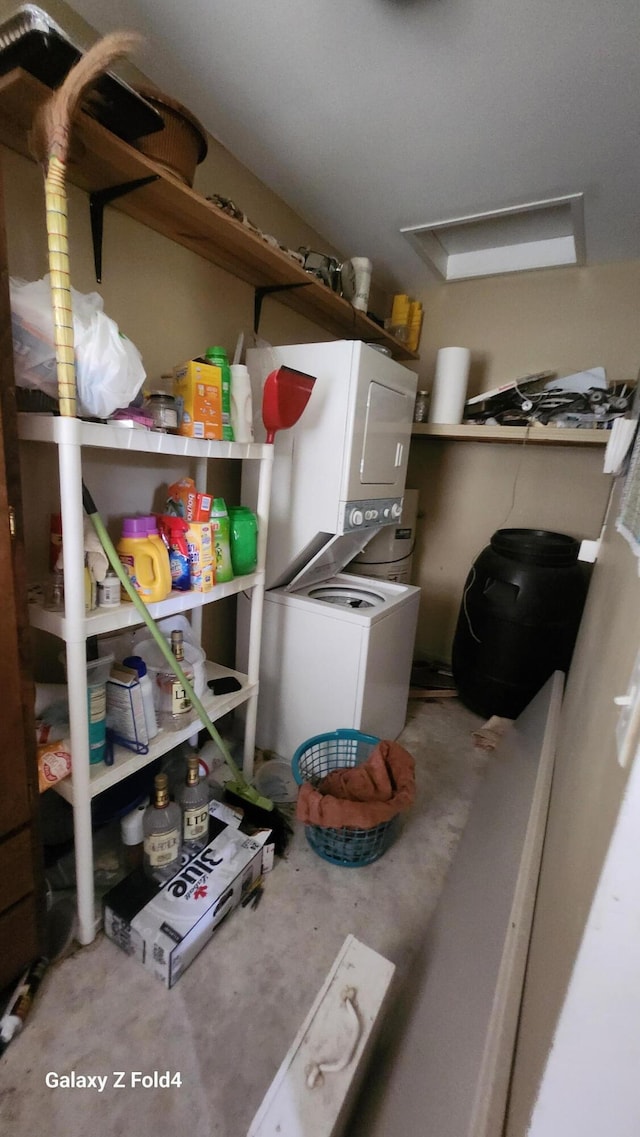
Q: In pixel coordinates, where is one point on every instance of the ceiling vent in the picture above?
(540, 234)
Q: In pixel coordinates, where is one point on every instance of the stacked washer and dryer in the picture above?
(337, 646)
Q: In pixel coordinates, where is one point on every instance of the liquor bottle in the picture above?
(193, 799)
(174, 700)
(161, 826)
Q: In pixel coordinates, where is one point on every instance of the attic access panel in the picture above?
(539, 234)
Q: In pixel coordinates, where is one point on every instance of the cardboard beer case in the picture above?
(165, 925)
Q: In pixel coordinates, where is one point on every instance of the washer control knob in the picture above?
(386, 511)
(396, 509)
(355, 517)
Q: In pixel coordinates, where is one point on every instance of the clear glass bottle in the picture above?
(162, 830)
(193, 799)
(174, 700)
(421, 408)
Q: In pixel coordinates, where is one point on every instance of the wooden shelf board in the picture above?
(100, 160)
(532, 436)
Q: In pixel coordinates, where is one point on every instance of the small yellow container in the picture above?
(205, 580)
(199, 538)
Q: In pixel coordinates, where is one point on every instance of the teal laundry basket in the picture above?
(312, 761)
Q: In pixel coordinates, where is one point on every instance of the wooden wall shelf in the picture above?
(532, 436)
(100, 161)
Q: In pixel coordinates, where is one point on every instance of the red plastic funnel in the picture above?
(285, 395)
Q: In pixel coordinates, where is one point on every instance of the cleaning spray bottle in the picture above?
(173, 530)
(220, 527)
(217, 356)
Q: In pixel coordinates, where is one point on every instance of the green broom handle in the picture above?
(240, 786)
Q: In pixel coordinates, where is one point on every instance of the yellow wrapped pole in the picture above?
(57, 237)
(50, 144)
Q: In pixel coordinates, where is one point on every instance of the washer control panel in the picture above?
(368, 513)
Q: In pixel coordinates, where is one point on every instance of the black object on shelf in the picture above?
(31, 40)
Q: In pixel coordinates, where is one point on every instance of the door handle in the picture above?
(399, 453)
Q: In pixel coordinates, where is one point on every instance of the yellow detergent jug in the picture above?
(142, 560)
(163, 553)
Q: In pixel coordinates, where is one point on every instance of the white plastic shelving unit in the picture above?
(73, 626)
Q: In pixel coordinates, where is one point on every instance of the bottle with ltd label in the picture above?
(162, 830)
(174, 700)
(193, 799)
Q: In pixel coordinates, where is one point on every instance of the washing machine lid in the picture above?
(328, 560)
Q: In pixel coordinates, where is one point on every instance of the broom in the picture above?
(49, 143)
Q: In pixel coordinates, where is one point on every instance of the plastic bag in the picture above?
(109, 371)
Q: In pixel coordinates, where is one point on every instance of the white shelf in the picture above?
(103, 436)
(72, 437)
(126, 762)
(127, 616)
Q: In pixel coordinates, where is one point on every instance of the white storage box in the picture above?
(166, 926)
(312, 1092)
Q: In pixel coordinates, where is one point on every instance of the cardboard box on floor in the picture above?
(165, 926)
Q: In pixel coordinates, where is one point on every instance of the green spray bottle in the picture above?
(217, 357)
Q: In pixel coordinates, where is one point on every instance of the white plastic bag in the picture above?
(109, 369)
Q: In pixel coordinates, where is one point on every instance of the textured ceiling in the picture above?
(369, 115)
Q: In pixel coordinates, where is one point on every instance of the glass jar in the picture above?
(163, 410)
(421, 408)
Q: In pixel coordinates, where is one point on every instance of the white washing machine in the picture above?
(336, 652)
(336, 649)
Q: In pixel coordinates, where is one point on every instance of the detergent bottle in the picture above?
(220, 527)
(153, 534)
(218, 357)
(141, 560)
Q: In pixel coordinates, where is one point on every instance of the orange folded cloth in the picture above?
(359, 797)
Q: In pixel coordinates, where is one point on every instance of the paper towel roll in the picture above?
(450, 385)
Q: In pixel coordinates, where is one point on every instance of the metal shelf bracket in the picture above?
(260, 294)
(97, 202)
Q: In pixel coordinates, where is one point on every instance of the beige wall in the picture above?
(561, 320)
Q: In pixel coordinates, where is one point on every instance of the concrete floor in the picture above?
(228, 1023)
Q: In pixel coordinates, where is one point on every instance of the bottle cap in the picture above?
(131, 829)
(136, 663)
(134, 526)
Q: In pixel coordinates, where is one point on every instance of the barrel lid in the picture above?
(536, 546)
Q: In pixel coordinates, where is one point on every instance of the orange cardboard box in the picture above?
(184, 500)
(198, 389)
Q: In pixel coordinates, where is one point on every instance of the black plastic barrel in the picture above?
(518, 620)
